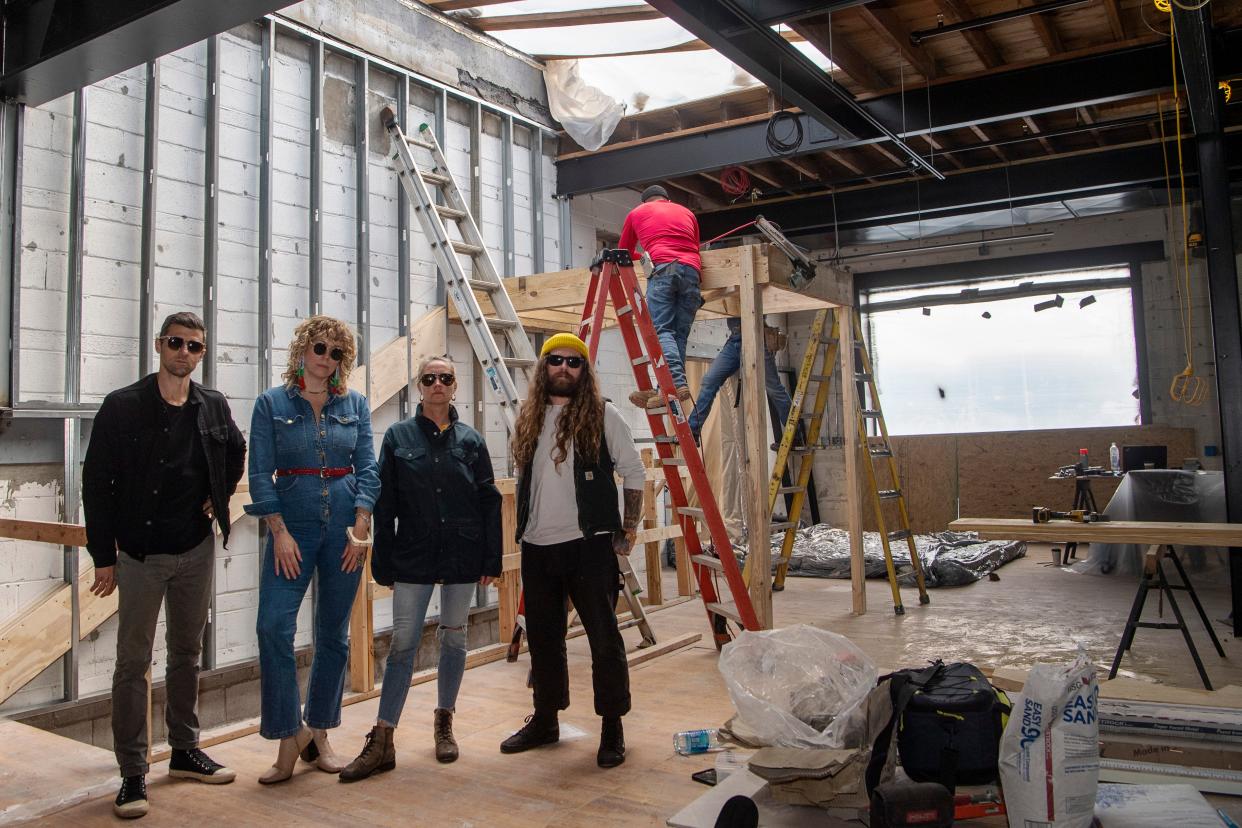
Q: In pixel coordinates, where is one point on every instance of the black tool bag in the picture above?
(948, 720)
(903, 804)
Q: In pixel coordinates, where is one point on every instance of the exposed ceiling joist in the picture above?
(957, 11)
(818, 33)
(454, 5)
(578, 17)
(885, 22)
(1093, 172)
(1046, 29)
(754, 47)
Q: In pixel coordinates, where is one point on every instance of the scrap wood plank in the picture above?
(647, 654)
(1128, 689)
(1116, 531)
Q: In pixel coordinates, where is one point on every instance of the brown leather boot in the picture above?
(378, 755)
(446, 745)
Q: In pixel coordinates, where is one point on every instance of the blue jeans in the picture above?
(673, 298)
(280, 598)
(409, 611)
(725, 365)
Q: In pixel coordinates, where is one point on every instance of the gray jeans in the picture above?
(183, 584)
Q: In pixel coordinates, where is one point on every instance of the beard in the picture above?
(178, 369)
(562, 385)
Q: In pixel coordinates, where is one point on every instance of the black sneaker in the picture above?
(131, 801)
(538, 731)
(194, 764)
(611, 744)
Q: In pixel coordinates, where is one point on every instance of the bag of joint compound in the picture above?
(1049, 753)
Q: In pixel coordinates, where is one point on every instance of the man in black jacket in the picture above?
(164, 459)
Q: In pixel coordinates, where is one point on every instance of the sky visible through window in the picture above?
(954, 371)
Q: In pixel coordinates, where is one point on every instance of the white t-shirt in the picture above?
(553, 514)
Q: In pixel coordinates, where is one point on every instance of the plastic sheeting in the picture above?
(586, 113)
(1161, 495)
(949, 558)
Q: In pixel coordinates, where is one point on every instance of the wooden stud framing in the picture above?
(755, 426)
(853, 498)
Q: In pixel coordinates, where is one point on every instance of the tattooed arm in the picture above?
(623, 541)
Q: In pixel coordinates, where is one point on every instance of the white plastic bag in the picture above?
(1050, 752)
(586, 112)
(798, 687)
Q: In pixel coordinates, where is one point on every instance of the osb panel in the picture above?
(928, 469)
(1006, 473)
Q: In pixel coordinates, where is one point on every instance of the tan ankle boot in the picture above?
(378, 755)
(286, 757)
(327, 759)
(446, 745)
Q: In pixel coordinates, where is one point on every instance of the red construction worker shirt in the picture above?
(667, 231)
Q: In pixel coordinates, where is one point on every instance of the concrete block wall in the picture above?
(113, 194)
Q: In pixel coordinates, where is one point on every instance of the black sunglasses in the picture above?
(194, 346)
(321, 348)
(430, 379)
(556, 360)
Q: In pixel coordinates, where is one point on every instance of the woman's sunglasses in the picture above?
(430, 379)
(321, 348)
(176, 343)
(556, 361)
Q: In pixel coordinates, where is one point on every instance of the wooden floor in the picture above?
(1034, 613)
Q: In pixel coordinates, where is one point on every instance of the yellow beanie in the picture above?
(565, 340)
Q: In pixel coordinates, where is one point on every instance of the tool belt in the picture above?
(338, 471)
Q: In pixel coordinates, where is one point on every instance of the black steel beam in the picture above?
(1003, 96)
(1035, 182)
(730, 29)
(771, 12)
(1197, 48)
(52, 47)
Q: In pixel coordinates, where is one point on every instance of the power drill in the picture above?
(1042, 514)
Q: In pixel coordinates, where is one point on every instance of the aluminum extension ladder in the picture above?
(876, 447)
(459, 286)
(612, 277)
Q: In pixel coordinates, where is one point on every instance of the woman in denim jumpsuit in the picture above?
(313, 479)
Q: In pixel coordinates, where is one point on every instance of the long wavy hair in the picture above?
(582, 420)
(331, 329)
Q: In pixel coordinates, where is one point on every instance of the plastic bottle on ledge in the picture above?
(690, 742)
(1114, 458)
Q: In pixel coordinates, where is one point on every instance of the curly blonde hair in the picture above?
(335, 332)
(582, 421)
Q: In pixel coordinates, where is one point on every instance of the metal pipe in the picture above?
(403, 256)
(316, 178)
(506, 192)
(11, 116)
(917, 38)
(536, 200)
(265, 208)
(73, 290)
(211, 208)
(362, 191)
(150, 158)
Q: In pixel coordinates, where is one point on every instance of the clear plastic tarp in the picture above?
(1161, 495)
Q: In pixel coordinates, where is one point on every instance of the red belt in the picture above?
(339, 471)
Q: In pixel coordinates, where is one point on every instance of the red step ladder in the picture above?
(612, 277)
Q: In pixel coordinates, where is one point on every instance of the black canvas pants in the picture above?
(584, 571)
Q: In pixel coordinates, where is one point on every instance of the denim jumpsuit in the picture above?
(316, 510)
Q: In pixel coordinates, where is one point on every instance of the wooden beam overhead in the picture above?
(695, 45)
(818, 33)
(800, 169)
(983, 136)
(886, 23)
(845, 162)
(577, 17)
(1112, 8)
(1046, 29)
(756, 173)
(1035, 130)
(882, 150)
(454, 5)
(687, 185)
(958, 11)
(937, 147)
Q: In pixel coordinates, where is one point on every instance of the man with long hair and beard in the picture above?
(567, 445)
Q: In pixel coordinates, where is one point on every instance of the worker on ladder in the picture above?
(727, 363)
(567, 444)
(669, 233)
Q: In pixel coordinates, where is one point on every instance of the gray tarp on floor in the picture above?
(949, 558)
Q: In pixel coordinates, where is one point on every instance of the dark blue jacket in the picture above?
(437, 519)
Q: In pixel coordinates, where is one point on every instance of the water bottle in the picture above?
(690, 742)
(1114, 458)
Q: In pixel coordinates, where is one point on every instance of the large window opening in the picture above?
(1042, 351)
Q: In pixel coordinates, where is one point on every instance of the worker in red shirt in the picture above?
(669, 233)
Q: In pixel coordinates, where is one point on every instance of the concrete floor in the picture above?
(1033, 613)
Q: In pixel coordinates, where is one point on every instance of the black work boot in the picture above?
(611, 744)
(131, 800)
(539, 730)
(378, 754)
(446, 745)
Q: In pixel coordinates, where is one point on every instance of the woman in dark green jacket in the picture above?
(437, 521)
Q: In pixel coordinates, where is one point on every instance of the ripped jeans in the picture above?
(409, 611)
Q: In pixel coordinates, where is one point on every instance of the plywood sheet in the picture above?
(928, 469)
(41, 773)
(1148, 532)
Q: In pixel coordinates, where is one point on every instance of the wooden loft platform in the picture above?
(553, 301)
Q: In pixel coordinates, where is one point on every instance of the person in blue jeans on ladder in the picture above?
(725, 365)
(669, 233)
